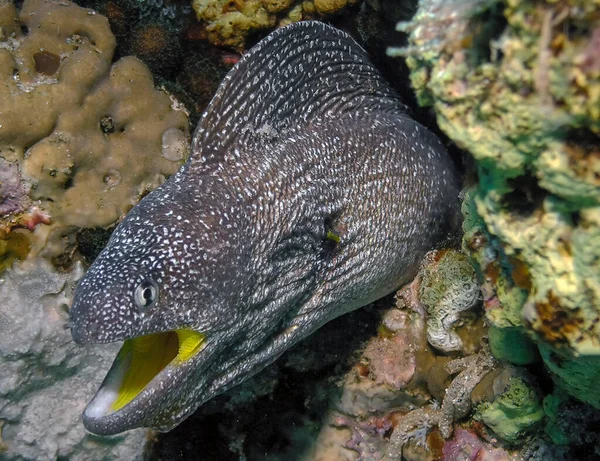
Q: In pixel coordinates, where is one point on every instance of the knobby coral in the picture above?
(448, 289)
(231, 22)
(93, 143)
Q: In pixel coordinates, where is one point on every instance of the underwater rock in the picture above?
(469, 372)
(516, 83)
(94, 133)
(392, 370)
(46, 379)
(231, 22)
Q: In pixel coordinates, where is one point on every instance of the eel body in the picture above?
(310, 192)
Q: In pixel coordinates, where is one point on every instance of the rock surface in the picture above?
(46, 379)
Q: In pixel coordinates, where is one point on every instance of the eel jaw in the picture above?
(141, 365)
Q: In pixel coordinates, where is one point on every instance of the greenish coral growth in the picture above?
(14, 247)
(516, 83)
(554, 429)
(578, 375)
(512, 345)
(503, 298)
(448, 289)
(514, 413)
(569, 422)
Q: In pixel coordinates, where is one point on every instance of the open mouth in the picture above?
(138, 363)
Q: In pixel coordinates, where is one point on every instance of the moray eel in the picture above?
(309, 192)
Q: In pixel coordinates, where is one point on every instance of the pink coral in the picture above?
(466, 446)
(13, 193)
(16, 208)
(392, 360)
(368, 436)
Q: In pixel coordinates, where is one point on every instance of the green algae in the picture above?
(552, 404)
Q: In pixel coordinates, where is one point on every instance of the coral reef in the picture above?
(400, 398)
(231, 22)
(388, 400)
(569, 422)
(166, 36)
(81, 141)
(516, 409)
(516, 83)
(46, 379)
(94, 134)
(466, 446)
(578, 375)
(448, 288)
(512, 345)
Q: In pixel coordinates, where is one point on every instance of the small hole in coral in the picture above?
(525, 198)
(46, 63)
(586, 139)
(107, 124)
(24, 29)
(69, 183)
(85, 35)
(112, 178)
(556, 359)
(487, 27)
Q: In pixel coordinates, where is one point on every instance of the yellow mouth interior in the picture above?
(148, 355)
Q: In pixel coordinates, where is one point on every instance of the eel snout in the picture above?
(141, 367)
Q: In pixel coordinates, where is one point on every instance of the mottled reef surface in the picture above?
(492, 353)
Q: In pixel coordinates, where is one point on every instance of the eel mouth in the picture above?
(140, 365)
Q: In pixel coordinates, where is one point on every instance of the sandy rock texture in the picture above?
(46, 379)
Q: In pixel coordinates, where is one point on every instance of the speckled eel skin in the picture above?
(309, 193)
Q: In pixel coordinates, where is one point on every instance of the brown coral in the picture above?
(231, 22)
(94, 132)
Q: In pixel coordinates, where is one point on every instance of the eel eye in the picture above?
(146, 294)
